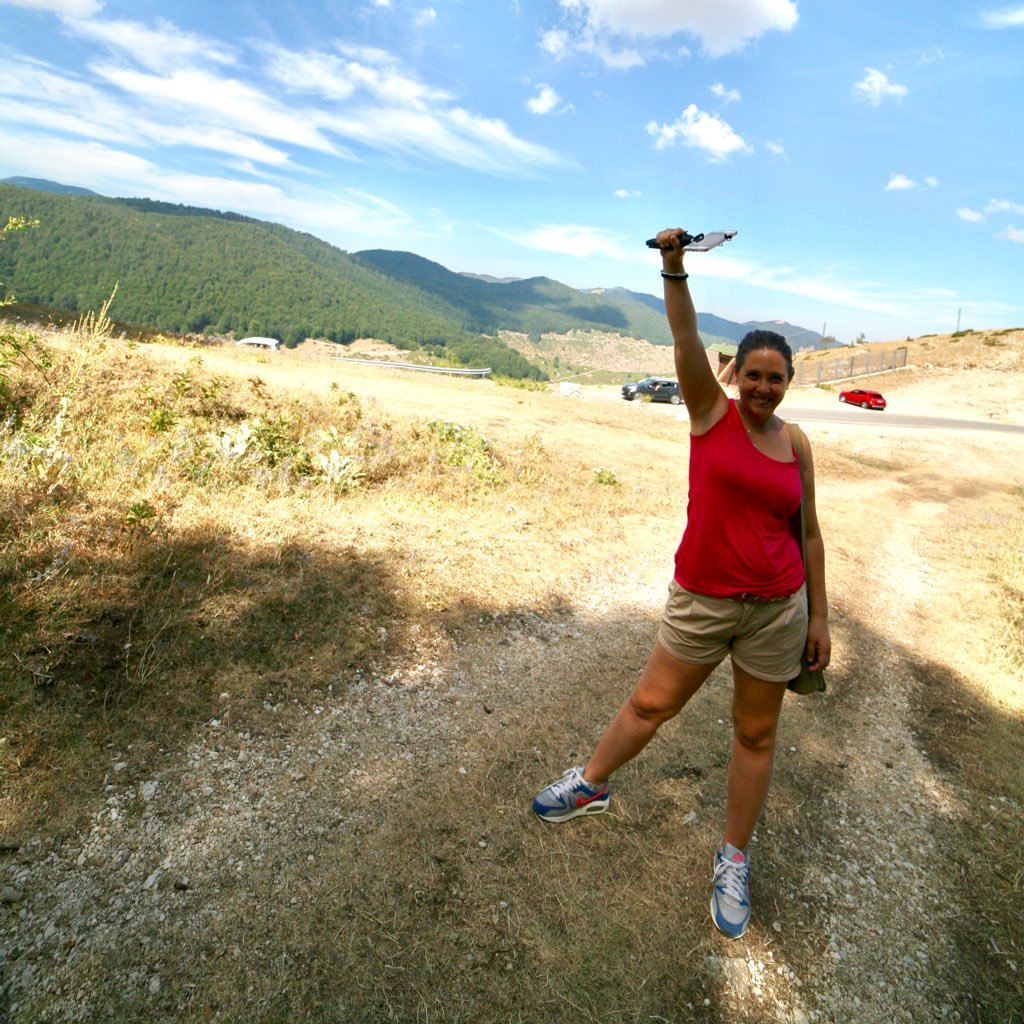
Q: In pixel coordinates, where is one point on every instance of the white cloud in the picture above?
(199, 96)
(699, 130)
(577, 240)
(36, 97)
(931, 181)
(65, 8)
(381, 3)
(972, 216)
(1004, 17)
(182, 96)
(163, 47)
(616, 58)
(114, 171)
(722, 27)
(1012, 234)
(545, 101)
(627, 193)
(876, 87)
(427, 16)
(728, 95)
(556, 43)
(900, 182)
(777, 148)
(1003, 206)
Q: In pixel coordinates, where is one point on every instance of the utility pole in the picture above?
(958, 312)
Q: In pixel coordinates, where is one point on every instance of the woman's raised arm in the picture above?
(705, 400)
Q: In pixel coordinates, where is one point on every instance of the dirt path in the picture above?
(372, 857)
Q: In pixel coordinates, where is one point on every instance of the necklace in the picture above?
(751, 432)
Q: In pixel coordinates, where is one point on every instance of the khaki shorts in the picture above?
(765, 640)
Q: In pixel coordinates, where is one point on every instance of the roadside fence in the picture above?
(817, 371)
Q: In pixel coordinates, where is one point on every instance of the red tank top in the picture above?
(739, 536)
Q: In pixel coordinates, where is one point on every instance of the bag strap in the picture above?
(796, 436)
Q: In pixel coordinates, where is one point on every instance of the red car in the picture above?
(864, 398)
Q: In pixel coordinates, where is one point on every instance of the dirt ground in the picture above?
(884, 885)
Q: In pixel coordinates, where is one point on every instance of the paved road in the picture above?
(864, 417)
(853, 416)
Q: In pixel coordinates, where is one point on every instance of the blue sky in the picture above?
(870, 154)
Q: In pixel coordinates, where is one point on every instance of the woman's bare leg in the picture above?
(756, 705)
(664, 687)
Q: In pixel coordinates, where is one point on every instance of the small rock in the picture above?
(9, 895)
(154, 986)
(777, 925)
(151, 881)
(148, 790)
(181, 884)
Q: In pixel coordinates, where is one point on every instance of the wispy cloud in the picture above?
(727, 95)
(65, 8)
(1004, 17)
(158, 85)
(700, 130)
(775, 147)
(627, 193)
(556, 42)
(875, 87)
(1003, 206)
(160, 48)
(426, 16)
(1012, 234)
(993, 206)
(579, 240)
(116, 171)
(722, 27)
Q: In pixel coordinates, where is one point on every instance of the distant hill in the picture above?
(190, 269)
(42, 185)
(714, 329)
(533, 306)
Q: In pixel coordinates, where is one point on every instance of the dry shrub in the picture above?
(168, 535)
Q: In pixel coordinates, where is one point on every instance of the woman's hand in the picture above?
(819, 644)
(671, 246)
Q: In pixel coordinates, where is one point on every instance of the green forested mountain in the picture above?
(188, 269)
(533, 306)
(182, 268)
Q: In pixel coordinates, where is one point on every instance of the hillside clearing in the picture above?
(269, 742)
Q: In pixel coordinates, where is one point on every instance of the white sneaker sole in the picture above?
(592, 808)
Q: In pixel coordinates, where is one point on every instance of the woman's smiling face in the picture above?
(762, 382)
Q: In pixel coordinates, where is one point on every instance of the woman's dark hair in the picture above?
(755, 340)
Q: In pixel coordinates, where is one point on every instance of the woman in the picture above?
(740, 587)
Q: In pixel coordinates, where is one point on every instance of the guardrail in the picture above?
(482, 372)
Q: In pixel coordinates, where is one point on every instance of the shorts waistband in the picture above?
(746, 598)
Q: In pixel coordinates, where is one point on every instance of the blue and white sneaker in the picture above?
(730, 896)
(569, 797)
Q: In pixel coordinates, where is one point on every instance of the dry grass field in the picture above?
(287, 644)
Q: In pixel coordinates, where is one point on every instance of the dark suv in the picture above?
(656, 389)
